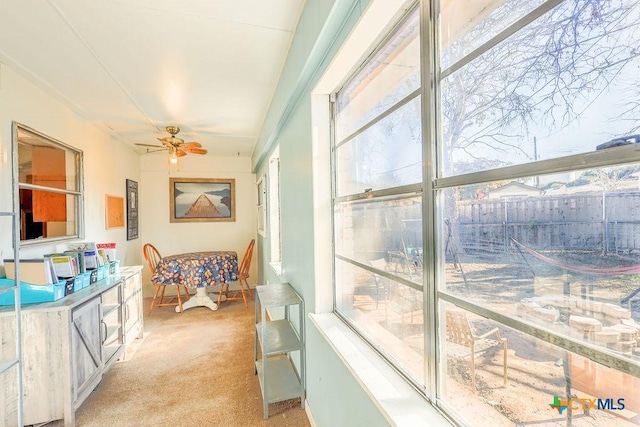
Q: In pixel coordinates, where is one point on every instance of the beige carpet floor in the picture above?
(191, 369)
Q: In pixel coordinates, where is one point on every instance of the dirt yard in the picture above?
(537, 371)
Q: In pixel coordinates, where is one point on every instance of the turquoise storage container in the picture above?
(103, 272)
(77, 283)
(30, 294)
(114, 267)
(85, 279)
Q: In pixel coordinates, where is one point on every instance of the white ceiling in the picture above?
(135, 66)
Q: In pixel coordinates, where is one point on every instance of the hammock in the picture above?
(604, 271)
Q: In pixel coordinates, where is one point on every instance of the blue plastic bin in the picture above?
(114, 267)
(103, 272)
(77, 283)
(85, 279)
(32, 293)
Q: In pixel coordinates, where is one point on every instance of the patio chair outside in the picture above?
(466, 344)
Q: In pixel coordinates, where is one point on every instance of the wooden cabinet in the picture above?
(11, 338)
(112, 327)
(69, 344)
(132, 307)
(276, 343)
(86, 348)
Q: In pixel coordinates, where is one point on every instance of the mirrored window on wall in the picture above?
(49, 187)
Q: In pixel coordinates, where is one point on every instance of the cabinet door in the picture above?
(86, 349)
(133, 308)
(112, 325)
(9, 394)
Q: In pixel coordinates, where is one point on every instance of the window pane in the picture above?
(564, 256)
(383, 229)
(391, 75)
(274, 206)
(44, 163)
(465, 25)
(563, 85)
(47, 214)
(386, 312)
(388, 154)
(545, 385)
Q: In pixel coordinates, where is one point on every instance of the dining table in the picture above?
(197, 270)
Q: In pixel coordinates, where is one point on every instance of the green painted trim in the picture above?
(329, 34)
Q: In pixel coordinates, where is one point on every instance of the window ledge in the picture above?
(277, 267)
(398, 401)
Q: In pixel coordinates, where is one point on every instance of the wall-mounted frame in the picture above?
(114, 211)
(132, 209)
(202, 199)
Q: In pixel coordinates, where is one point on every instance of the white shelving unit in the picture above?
(11, 363)
(275, 342)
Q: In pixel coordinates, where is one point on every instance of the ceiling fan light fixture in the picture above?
(173, 157)
(176, 146)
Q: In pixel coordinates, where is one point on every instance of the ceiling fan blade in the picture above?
(191, 144)
(165, 141)
(196, 151)
(149, 145)
(180, 152)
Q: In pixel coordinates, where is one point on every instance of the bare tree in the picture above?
(546, 74)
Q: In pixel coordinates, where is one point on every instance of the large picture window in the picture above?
(536, 193)
(49, 187)
(378, 200)
(486, 228)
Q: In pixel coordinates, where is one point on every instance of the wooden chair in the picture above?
(464, 343)
(243, 275)
(397, 296)
(153, 257)
(380, 290)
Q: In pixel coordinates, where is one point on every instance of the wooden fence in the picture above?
(608, 222)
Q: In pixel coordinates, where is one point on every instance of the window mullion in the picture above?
(597, 354)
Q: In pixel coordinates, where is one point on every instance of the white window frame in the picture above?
(273, 208)
(372, 371)
(261, 209)
(79, 184)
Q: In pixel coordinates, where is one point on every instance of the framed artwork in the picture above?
(114, 211)
(132, 209)
(202, 199)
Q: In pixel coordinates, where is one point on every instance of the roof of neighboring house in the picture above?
(516, 186)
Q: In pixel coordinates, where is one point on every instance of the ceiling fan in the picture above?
(176, 146)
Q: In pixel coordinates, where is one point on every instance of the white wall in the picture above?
(107, 162)
(171, 238)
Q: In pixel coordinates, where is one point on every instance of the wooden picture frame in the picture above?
(114, 211)
(202, 200)
(132, 209)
